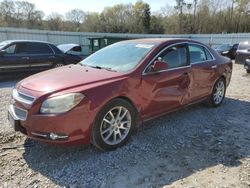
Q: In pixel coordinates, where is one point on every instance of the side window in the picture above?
(75, 51)
(197, 54)
(175, 56)
(38, 48)
(18, 48)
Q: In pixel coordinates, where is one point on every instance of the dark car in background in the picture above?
(227, 50)
(28, 55)
(243, 52)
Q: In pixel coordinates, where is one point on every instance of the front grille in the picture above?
(18, 113)
(23, 98)
(26, 97)
(22, 114)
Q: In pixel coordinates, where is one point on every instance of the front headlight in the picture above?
(61, 104)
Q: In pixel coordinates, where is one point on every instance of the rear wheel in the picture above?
(114, 124)
(248, 70)
(218, 93)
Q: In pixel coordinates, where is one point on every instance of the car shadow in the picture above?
(161, 152)
(8, 83)
(9, 80)
(13, 76)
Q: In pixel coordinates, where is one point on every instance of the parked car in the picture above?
(106, 96)
(247, 65)
(243, 52)
(73, 52)
(227, 50)
(25, 55)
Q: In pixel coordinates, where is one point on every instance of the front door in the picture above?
(169, 89)
(15, 59)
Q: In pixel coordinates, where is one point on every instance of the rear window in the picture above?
(198, 54)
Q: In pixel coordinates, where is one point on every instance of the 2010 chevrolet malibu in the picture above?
(102, 99)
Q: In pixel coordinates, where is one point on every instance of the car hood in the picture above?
(67, 47)
(67, 77)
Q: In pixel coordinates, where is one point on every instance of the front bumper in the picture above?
(247, 64)
(71, 128)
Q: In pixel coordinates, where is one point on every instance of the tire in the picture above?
(56, 65)
(218, 94)
(108, 132)
(248, 70)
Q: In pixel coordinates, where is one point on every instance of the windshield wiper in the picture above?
(99, 67)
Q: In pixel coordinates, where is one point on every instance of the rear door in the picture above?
(41, 56)
(168, 89)
(15, 59)
(203, 74)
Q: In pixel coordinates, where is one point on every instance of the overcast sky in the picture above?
(63, 6)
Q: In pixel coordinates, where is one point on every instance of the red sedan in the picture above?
(102, 99)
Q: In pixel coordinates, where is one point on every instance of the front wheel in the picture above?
(113, 125)
(248, 70)
(218, 94)
(56, 65)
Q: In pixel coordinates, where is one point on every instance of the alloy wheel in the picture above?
(219, 92)
(115, 125)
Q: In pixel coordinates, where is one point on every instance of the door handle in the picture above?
(51, 57)
(25, 58)
(185, 74)
(214, 66)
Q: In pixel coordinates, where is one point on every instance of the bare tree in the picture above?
(7, 10)
(55, 21)
(76, 16)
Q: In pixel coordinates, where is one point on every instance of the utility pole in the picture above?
(194, 17)
(179, 7)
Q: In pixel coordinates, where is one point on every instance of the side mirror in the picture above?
(2, 52)
(159, 65)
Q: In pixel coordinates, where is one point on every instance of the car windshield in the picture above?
(2, 44)
(224, 47)
(121, 57)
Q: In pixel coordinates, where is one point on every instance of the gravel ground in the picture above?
(194, 147)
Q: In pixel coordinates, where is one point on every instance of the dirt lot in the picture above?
(195, 147)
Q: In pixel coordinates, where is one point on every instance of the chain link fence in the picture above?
(82, 38)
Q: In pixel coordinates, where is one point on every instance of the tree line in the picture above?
(186, 17)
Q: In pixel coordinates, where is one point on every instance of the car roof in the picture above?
(12, 41)
(160, 41)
